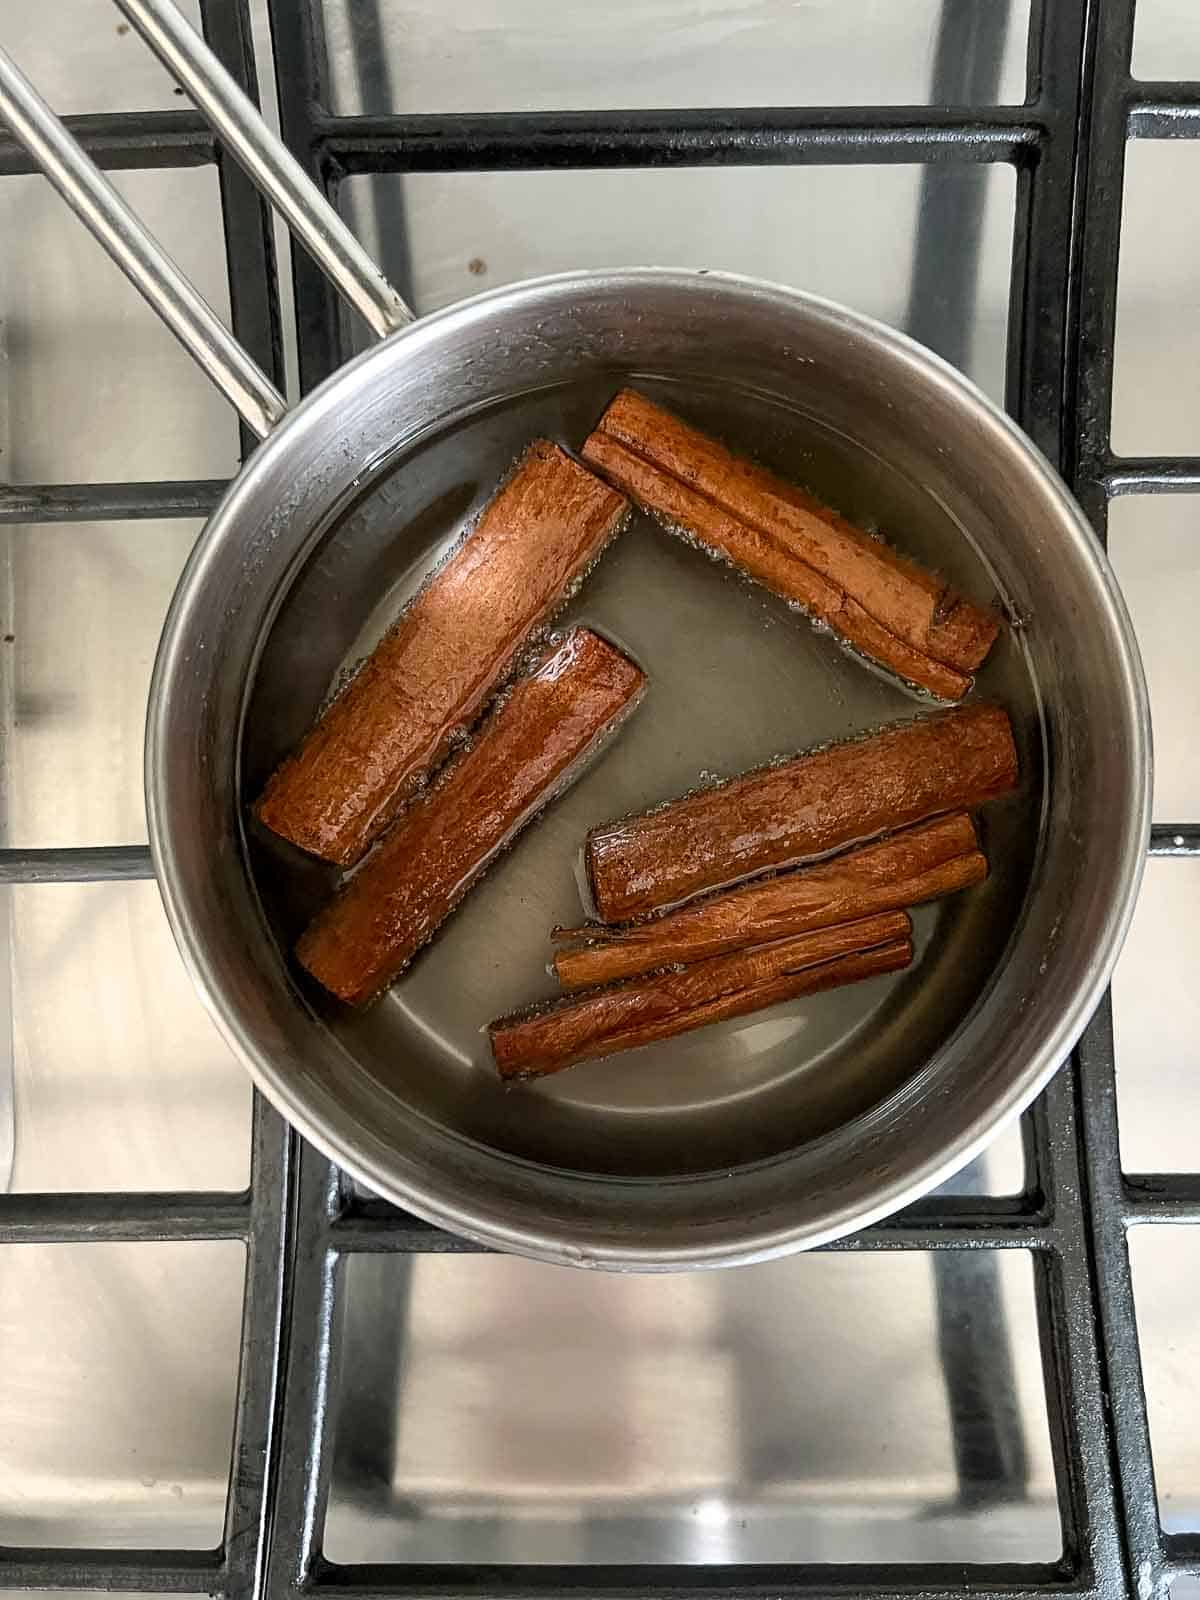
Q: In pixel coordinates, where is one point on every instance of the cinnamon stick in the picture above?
(813, 805)
(769, 562)
(884, 605)
(608, 1020)
(528, 750)
(907, 868)
(432, 672)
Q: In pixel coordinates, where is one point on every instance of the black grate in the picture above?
(299, 1218)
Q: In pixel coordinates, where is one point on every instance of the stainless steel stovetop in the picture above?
(489, 1423)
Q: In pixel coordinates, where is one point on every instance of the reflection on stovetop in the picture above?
(825, 1408)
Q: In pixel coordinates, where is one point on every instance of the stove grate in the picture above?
(299, 1217)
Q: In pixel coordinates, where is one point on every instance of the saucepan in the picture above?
(735, 1143)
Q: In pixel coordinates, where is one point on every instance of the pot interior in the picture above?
(735, 679)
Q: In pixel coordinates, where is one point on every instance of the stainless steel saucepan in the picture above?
(737, 1142)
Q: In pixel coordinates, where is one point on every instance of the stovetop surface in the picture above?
(224, 1368)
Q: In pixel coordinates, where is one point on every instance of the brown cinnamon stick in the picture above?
(889, 608)
(780, 816)
(630, 1014)
(432, 672)
(769, 562)
(907, 868)
(529, 748)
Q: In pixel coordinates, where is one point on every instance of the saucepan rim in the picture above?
(284, 1087)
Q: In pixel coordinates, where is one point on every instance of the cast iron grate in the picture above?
(299, 1218)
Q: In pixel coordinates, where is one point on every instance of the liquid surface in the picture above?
(736, 677)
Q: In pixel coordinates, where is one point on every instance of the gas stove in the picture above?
(229, 1370)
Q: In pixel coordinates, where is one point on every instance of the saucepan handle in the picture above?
(277, 174)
